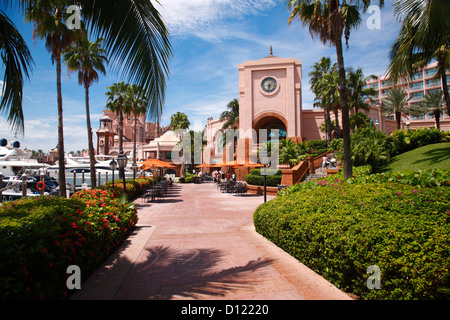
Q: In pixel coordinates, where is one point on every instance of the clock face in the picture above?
(269, 84)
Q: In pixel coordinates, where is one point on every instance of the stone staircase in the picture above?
(317, 175)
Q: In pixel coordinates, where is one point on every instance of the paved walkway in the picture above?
(200, 243)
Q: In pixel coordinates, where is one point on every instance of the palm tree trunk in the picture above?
(328, 119)
(120, 138)
(445, 90)
(345, 111)
(437, 118)
(398, 118)
(336, 127)
(90, 143)
(61, 159)
(134, 147)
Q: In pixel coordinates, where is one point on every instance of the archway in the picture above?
(270, 122)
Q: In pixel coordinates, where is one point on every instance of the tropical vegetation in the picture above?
(339, 228)
(86, 58)
(41, 236)
(330, 21)
(136, 43)
(18, 62)
(423, 37)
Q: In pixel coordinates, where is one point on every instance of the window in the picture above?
(431, 72)
(417, 76)
(433, 83)
(417, 85)
(416, 96)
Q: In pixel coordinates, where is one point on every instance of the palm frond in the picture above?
(18, 62)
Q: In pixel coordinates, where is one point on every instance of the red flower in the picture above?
(26, 271)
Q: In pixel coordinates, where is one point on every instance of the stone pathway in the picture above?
(200, 243)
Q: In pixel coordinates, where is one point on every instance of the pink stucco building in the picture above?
(270, 97)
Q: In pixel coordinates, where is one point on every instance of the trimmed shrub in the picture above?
(405, 140)
(257, 180)
(340, 229)
(41, 236)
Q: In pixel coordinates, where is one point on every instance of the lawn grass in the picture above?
(433, 156)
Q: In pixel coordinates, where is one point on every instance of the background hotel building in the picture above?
(417, 86)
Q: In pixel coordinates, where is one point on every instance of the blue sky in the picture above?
(209, 39)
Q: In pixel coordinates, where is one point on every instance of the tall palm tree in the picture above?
(424, 36)
(136, 40)
(115, 102)
(49, 23)
(358, 93)
(319, 70)
(86, 58)
(433, 102)
(231, 115)
(138, 106)
(18, 62)
(396, 103)
(330, 20)
(330, 84)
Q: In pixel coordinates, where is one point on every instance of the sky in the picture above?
(209, 39)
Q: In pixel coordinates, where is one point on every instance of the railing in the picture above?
(298, 172)
(24, 182)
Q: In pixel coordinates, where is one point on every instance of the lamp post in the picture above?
(135, 166)
(113, 166)
(122, 160)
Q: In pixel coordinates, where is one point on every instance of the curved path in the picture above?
(200, 243)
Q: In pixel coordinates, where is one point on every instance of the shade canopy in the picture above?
(205, 166)
(155, 163)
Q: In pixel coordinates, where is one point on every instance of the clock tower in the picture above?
(270, 97)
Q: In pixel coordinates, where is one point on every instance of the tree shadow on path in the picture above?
(170, 273)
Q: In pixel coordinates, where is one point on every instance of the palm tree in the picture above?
(319, 70)
(49, 22)
(138, 105)
(433, 102)
(136, 40)
(18, 61)
(424, 36)
(179, 121)
(115, 102)
(396, 103)
(330, 20)
(86, 58)
(359, 120)
(358, 93)
(231, 116)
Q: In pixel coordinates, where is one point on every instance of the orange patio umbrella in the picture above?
(205, 166)
(155, 163)
(254, 165)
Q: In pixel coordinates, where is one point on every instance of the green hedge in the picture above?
(340, 229)
(41, 236)
(256, 180)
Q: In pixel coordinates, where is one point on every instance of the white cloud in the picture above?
(203, 18)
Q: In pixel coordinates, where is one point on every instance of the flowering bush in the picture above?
(340, 229)
(41, 236)
(423, 178)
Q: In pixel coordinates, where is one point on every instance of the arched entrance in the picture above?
(270, 122)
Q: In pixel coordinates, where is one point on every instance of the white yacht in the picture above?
(15, 161)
